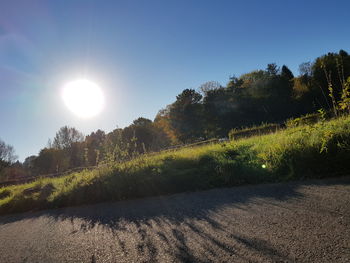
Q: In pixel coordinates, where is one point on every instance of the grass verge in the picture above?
(310, 151)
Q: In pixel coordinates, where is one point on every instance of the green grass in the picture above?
(312, 151)
(262, 129)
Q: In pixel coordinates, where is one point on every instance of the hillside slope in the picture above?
(312, 151)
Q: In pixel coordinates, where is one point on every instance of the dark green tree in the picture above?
(272, 69)
(286, 73)
(186, 116)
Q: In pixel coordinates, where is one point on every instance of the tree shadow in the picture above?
(178, 225)
(264, 248)
(176, 207)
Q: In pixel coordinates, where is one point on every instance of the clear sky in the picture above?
(144, 53)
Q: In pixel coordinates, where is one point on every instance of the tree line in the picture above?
(270, 95)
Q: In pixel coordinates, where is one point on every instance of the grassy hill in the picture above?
(309, 151)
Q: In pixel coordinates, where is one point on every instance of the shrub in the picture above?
(235, 134)
(308, 119)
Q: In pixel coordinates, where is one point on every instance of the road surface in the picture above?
(291, 222)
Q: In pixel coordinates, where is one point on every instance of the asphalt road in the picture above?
(291, 222)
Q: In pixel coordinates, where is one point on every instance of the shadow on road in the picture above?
(187, 227)
(175, 207)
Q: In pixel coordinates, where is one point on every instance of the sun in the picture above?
(83, 97)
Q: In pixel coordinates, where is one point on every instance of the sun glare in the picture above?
(83, 97)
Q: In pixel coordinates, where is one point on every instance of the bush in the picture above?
(235, 134)
(308, 119)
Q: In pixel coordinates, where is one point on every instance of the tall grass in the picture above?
(309, 151)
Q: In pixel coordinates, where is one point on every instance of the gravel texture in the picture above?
(290, 222)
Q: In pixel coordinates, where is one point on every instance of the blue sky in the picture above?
(144, 53)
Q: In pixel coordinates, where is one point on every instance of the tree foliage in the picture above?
(7, 156)
(66, 137)
(7, 153)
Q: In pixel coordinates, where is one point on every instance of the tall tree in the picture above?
(51, 161)
(186, 116)
(286, 73)
(272, 69)
(66, 136)
(208, 86)
(94, 147)
(163, 124)
(7, 153)
(7, 157)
